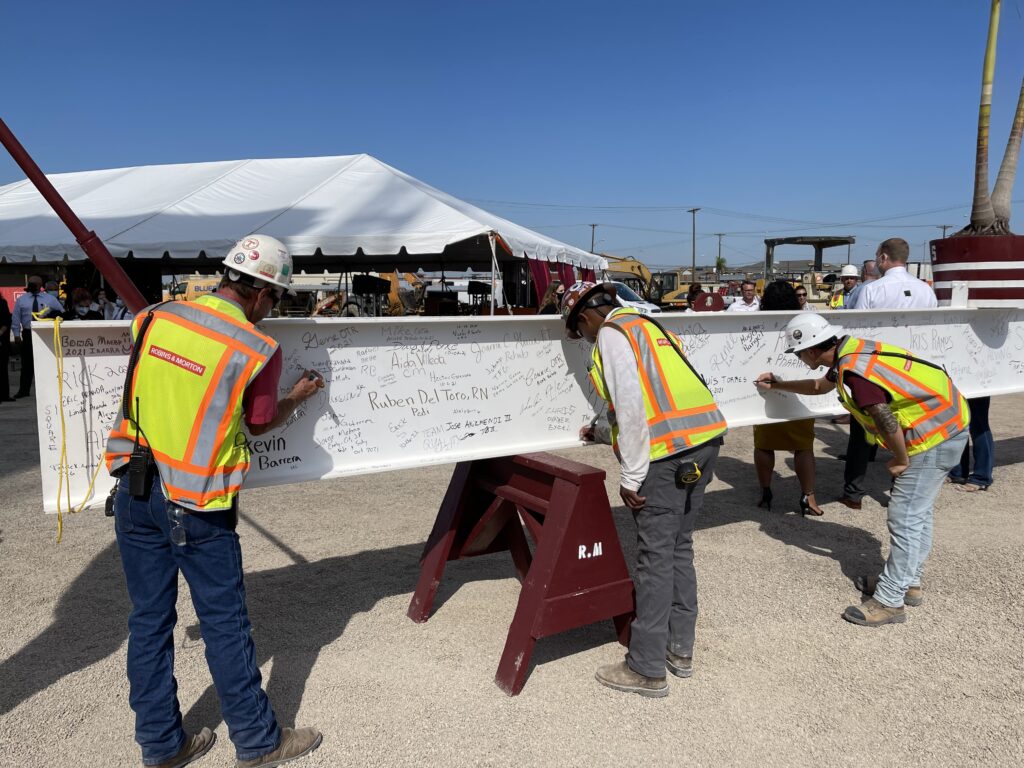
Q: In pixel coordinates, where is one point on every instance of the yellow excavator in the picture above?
(667, 289)
(633, 273)
(404, 292)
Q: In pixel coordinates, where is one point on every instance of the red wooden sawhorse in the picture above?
(576, 574)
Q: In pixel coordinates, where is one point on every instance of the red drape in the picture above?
(565, 274)
(541, 277)
(587, 274)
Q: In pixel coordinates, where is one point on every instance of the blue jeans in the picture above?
(982, 445)
(911, 511)
(209, 556)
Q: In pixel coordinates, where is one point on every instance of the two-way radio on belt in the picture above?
(140, 464)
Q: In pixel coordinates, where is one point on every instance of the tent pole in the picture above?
(494, 270)
(87, 239)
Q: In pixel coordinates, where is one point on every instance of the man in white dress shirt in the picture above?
(748, 301)
(897, 288)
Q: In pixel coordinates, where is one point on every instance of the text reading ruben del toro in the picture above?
(424, 397)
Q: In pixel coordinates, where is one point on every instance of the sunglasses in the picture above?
(801, 295)
(275, 298)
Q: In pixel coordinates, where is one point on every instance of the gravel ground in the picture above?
(780, 679)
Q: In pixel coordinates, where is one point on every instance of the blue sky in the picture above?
(555, 115)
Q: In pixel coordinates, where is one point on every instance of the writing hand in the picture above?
(764, 381)
(307, 386)
(587, 433)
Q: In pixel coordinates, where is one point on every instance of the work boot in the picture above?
(867, 584)
(196, 745)
(680, 666)
(872, 613)
(622, 678)
(295, 743)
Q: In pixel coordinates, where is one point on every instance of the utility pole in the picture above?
(693, 252)
(719, 235)
(593, 229)
(943, 227)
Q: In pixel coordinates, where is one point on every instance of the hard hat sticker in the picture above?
(251, 243)
(238, 258)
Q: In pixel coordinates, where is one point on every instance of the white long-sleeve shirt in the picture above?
(623, 382)
(896, 289)
(741, 306)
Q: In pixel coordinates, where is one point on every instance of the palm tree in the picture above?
(1008, 170)
(719, 266)
(990, 215)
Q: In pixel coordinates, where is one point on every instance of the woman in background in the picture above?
(796, 436)
(82, 307)
(551, 304)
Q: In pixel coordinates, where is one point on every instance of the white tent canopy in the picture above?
(337, 205)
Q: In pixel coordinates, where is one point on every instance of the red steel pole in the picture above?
(87, 239)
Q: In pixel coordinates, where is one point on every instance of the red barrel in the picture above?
(992, 267)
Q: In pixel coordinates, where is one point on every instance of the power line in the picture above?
(805, 223)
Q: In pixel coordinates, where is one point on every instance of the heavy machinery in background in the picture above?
(328, 294)
(635, 274)
(667, 288)
(191, 288)
(818, 281)
(384, 294)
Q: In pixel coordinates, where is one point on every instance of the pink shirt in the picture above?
(259, 402)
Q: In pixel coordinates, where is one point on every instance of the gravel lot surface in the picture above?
(780, 679)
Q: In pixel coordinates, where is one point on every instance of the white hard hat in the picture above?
(807, 329)
(849, 271)
(263, 258)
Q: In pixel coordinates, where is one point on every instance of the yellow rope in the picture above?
(63, 467)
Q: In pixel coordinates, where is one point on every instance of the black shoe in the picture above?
(807, 509)
(851, 503)
(766, 499)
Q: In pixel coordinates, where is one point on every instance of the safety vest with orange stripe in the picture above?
(926, 403)
(186, 397)
(680, 409)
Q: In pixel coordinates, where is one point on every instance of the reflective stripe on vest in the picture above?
(196, 361)
(926, 403)
(680, 410)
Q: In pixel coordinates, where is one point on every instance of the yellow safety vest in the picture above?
(924, 399)
(837, 300)
(680, 409)
(196, 360)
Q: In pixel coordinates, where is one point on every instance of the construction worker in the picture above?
(911, 407)
(196, 368)
(667, 432)
(840, 299)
